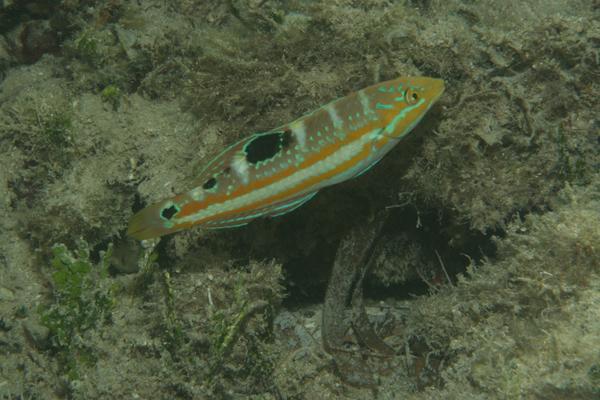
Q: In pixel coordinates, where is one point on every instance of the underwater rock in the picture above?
(12, 13)
(37, 333)
(35, 38)
(6, 294)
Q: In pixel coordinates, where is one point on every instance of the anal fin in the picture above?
(290, 205)
(274, 210)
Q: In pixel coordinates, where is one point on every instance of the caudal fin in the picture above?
(147, 224)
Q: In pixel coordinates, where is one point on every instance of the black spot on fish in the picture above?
(286, 138)
(266, 146)
(168, 212)
(209, 184)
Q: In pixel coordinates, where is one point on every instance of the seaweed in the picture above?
(243, 332)
(82, 302)
(112, 95)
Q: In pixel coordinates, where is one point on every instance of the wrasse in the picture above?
(275, 172)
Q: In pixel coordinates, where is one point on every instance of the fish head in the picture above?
(402, 102)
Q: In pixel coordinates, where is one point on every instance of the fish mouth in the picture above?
(433, 87)
(436, 88)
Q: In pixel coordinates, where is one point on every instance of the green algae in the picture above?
(82, 302)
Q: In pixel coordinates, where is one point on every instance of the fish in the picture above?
(272, 173)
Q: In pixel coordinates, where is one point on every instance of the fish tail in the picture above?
(148, 224)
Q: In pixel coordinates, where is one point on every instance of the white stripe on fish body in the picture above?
(336, 121)
(240, 166)
(299, 132)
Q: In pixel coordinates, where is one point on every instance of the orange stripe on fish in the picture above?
(273, 173)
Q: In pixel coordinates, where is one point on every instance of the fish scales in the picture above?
(275, 172)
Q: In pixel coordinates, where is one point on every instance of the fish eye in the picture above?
(411, 96)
